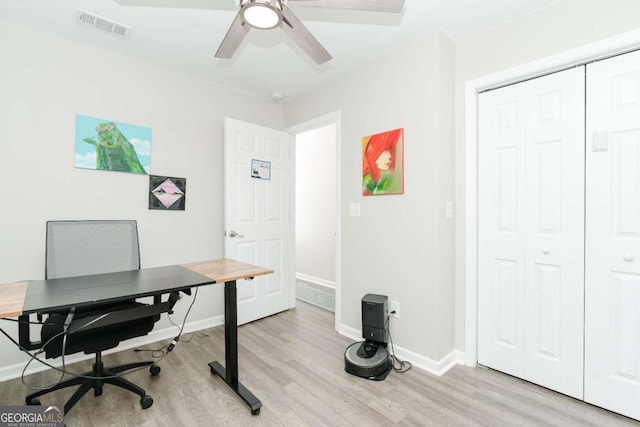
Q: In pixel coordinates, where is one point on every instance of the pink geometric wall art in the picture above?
(167, 193)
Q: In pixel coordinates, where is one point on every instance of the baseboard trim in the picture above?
(316, 280)
(461, 358)
(435, 367)
(15, 371)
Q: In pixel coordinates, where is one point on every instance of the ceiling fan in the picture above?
(269, 14)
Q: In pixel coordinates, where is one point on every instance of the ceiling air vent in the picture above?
(94, 21)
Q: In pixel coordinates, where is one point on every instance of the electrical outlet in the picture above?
(395, 306)
(354, 209)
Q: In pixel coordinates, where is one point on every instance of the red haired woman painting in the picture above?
(382, 158)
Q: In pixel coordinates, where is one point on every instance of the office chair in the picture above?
(77, 248)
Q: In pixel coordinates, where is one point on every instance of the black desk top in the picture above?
(56, 294)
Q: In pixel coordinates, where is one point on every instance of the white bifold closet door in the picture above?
(612, 286)
(531, 230)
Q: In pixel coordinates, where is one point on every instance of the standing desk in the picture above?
(44, 296)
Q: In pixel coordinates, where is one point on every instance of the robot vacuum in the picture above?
(367, 359)
(370, 358)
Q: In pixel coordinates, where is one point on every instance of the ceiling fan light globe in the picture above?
(262, 14)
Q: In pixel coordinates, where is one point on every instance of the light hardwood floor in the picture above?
(293, 362)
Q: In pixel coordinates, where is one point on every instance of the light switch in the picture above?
(354, 209)
(600, 141)
(449, 210)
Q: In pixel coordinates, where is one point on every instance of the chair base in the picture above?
(101, 376)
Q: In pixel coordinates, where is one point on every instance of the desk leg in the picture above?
(230, 374)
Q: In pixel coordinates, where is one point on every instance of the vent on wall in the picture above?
(88, 19)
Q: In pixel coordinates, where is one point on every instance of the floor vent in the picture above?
(94, 21)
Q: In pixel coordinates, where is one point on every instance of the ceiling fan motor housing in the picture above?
(262, 14)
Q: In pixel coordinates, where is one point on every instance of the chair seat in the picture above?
(97, 339)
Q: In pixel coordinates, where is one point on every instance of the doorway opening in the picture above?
(316, 212)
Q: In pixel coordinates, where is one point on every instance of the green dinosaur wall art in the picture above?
(112, 146)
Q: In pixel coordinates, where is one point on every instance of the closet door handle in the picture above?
(546, 250)
(628, 257)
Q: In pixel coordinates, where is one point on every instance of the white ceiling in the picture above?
(268, 61)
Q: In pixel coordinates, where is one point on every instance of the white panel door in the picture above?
(612, 286)
(501, 228)
(259, 227)
(554, 284)
(531, 233)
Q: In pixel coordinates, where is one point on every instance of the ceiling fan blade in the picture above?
(235, 34)
(367, 5)
(181, 4)
(299, 33)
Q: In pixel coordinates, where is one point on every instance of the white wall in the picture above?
(316, 196)
(44, 82)
(565, 25)
(401, 246)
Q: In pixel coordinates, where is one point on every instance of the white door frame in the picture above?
(598, 50)
(318, 122)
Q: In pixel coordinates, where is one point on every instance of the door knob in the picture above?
(546, 250)
(234, 234)
(628, 257)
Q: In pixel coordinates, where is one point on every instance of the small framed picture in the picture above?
(260, 169)
(167, 193)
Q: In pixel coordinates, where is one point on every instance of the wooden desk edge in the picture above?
(12, 297)
(226, 270)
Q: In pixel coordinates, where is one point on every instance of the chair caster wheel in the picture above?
(146, 401)
(255, 411)
(154, 370)
(34, 402)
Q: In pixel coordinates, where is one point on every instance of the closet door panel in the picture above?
(531, 216)
(501, 269)
(554, 285)
(612, 285)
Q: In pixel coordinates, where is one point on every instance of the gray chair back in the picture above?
(78, 248)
